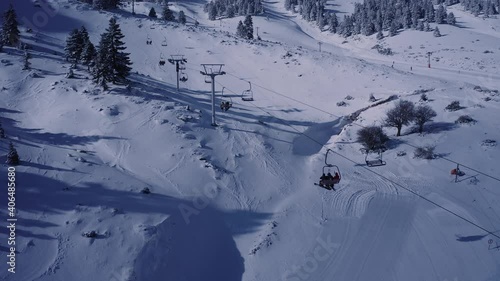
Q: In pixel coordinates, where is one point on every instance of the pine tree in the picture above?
(230, 11)
(380, 35)
(88, 54)
(112, 64)
(440, 15)
(450, 19)
(74, 46)
(240, 30)
(420, 26)
(182, 17)
(167, 14)
(333, 23)
(27, 63)
(393, 31)
(248, 23)
(10, 30)
(427, 27)
(12, 156)
(212, 11)
(152, 13)
(437, 33)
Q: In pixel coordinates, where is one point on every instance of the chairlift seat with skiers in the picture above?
(327, 180)
(247, 95)
(149, 41)
(225, 104)
(375, 162)
(162, 60)
(183, 77)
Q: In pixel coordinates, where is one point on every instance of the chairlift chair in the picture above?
(247, 95)
(149, 41)
(164, 42)
(225, 104)
(375, 162)
(329, 182)
(162, 60)
(208, 79)
(183, 76)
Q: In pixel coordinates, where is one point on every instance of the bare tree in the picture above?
(372, 137)
(401, 114)
(423, 114)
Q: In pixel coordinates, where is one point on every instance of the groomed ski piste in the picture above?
(238, 201)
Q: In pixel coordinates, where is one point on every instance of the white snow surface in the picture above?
(237, 201)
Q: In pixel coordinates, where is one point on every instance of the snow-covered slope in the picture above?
(237, 201)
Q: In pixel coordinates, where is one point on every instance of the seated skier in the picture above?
(336, 178)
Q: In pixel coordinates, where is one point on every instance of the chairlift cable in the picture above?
(373, 171)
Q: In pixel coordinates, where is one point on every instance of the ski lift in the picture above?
(375, 161)
(162, 60)
(247, 95)
(149, 41)
(225, 104)
(207, 79)
(164, 42)
(183, 76)
(327, 180)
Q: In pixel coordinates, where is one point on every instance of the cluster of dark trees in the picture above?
(402, 114)
(232, 8)
(375, 16)
(478, 7)
(103, 4)
(168, 15)
(108, 62)
(245, 29)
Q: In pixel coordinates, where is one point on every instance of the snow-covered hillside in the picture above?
(238, 201)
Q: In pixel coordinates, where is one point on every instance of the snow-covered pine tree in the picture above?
(88, 54)
(182, 17)
(26, 59)
(101, 71)
(120, 61)
(427, 27)
(248, 23)
(74, 46)
(333, 23)
(167, 14)
(450, 19)
(112, 64)
(152, 13)
(393, 30)
(212, 11)
(440, 14)
(12, 156)
(420, 26)
(10, 30)
(230, 12)
(240, 30)
(380, 35)
(288, 5)
(437, 33)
